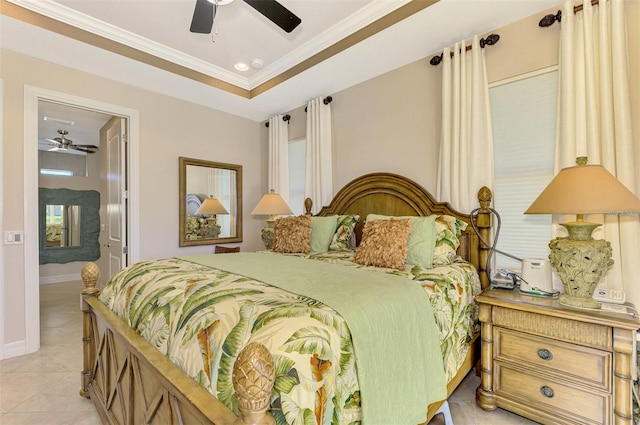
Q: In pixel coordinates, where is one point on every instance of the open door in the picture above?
(113, 181)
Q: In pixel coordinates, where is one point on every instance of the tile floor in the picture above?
(42, 388)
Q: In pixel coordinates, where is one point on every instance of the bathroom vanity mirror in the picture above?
(69, 225)
(210, 202)
(63, 225)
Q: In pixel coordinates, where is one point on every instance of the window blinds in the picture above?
(524, 121)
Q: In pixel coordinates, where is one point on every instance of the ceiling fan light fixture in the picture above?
(221, 2)
(241, 66)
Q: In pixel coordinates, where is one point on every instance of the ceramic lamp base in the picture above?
(210, 230)
(267, 237)
(580, 264)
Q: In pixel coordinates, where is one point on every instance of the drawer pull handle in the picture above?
(545, 354)
(546, 391)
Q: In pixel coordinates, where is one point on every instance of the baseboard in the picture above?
(15, 349)
(45, 280)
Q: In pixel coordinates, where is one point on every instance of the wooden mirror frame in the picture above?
(182, 228)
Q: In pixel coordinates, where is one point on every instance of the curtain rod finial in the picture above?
(550, 19)
(490, 40)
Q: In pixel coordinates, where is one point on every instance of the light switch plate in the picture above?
(13, 237)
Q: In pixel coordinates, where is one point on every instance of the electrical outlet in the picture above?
(13, 237)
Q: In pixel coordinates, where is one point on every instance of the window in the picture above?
(62, 164)
(297, 165)
(50, 172)
(523, 115)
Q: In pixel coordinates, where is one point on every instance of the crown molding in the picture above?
(374, 11)
(67, 15)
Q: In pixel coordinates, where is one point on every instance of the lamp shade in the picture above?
(272, 204)
(211, 206)
(585, 189)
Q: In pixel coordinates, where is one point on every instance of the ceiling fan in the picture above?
(205, 12)
(63, 144)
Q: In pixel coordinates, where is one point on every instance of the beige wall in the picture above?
(169, 128)
(392, 122)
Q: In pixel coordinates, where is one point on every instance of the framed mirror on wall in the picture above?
(210, 202)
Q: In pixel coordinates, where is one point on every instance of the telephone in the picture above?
(609, 296)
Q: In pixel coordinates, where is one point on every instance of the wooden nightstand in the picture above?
(553, 364)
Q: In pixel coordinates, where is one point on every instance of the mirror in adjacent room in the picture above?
(69, 224)
(210, 202)
(62, 225)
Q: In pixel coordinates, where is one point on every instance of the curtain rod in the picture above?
(327, 100)
(285, 118)
(551, 19)
(490, 40)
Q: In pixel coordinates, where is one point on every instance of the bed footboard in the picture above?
(131, 382)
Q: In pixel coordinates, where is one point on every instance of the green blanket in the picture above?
(399, 361)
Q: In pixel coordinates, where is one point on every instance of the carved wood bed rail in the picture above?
(131, 382)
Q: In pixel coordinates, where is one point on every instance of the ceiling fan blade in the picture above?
(58, 142)
(276, 13)
(203, 14)
(87, 146)
(82, 149)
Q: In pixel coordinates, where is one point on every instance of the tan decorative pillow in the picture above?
(292, 234)
(384, 243)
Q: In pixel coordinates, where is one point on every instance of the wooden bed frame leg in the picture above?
(90, 273)
(253, 379)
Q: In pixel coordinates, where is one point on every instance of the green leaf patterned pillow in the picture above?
(448, 229)
(344, 237)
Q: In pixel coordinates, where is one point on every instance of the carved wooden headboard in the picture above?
(392, 194)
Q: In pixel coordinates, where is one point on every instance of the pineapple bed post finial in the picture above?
(90, 274)
(253, 378)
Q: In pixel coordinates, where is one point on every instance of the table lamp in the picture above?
(271, 204)
(211, 207)
(580, 260)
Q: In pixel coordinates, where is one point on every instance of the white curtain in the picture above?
(466, 142)
(319, 172)
(279, 156)
(594, 120)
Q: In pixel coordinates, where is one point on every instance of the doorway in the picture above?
(33, 96)
(70, 166)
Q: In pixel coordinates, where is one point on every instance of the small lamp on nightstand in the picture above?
(211, 207)
(272, 205)
(580, 260)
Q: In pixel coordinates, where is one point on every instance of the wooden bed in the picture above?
(131, 382)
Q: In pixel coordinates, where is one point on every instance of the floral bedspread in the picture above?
(200, 317)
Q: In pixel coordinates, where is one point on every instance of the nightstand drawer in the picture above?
(560, 399)
(581, 364)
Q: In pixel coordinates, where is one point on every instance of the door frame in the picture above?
(32, 95)
(2, 220)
